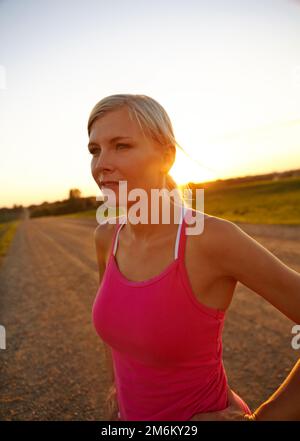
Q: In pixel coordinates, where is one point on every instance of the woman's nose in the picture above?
(103, 161)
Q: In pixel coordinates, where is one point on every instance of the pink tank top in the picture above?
(166, 345)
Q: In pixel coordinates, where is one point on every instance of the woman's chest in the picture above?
(209, 286)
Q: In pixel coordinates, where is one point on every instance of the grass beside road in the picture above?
(260, 202)
(264, 202)
(7, 232)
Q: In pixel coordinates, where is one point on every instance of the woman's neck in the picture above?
(147, 222)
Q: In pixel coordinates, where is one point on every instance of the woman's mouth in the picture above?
(108, 184)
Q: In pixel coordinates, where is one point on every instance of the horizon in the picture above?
(190, 182)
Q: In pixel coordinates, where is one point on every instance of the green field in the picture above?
(260, 202)
(265, 202)
(7, 232)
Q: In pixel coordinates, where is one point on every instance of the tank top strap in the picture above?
(119, 223)
(187, 212)
(179, 238)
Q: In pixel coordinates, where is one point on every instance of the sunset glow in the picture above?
(227, 75)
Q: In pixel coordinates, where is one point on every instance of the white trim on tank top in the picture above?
(184, 210)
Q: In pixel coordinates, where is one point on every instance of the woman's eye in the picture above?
(93, 151)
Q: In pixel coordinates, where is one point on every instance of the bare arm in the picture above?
(253, 265)
(245, 259)
(100, 236)
(256, 267)
(284, 404)
(101, 244)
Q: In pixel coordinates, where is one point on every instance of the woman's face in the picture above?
(132, 158)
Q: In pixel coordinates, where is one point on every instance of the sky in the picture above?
(226, 72)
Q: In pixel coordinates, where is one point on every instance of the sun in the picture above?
(187, 169)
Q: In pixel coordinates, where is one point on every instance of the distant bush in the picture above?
(11, 214)
(67, 206)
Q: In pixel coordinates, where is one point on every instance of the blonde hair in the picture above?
(151, 117)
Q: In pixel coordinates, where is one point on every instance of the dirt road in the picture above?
(53, 367)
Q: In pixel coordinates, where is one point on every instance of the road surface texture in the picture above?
(53, 367)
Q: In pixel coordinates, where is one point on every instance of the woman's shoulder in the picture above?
(214, 223)
(210, 222)
(214, 233)
(104, 232)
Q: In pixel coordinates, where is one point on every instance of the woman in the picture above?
(160, 318)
